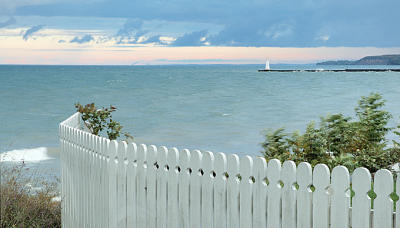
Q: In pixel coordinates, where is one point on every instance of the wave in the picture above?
(26, 155)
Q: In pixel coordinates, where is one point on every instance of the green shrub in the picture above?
(340, 140)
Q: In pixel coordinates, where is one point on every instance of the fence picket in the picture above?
(220, 191)
(131, 185)
(383, 204)
(113, 148)
(398, 201)
(172, 202)
(260, 193)
(151, 187)
(162, 154)
(141, 185)
(274, 194)
(195, 190)
(246, 192)
(321, 196)
(288, 176)
(340, 201)
(207, 190)
(304, 195)
(361, 208)
(184, 188)
(233, 191)
(121, 184)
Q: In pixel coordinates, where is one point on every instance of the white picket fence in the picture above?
(114, 184)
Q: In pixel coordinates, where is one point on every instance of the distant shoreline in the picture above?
(368, 60)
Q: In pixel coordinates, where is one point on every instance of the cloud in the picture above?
(61, 41)
(289, 23)
(10, 21)
(279, 30)
(131, 27)
(196, 38)
(28, 33)
(82, 40)
(323, 38)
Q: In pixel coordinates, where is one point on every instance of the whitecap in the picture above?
(26, 155)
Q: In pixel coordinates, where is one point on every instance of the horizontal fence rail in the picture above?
(114, 184)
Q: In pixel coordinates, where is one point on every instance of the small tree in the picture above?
(339, 140)
(98, 120)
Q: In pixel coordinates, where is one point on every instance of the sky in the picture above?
(114, 32)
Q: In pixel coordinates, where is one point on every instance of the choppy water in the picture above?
(218, 108)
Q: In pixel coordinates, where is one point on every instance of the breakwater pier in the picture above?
(337, 70)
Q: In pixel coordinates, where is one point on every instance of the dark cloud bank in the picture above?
(291, 23)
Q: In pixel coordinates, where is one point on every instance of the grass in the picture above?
(26, 200)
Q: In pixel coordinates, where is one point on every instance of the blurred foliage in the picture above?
(340, 140)
(98, 120)
(26, 200)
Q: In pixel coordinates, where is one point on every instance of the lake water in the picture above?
(221, 108)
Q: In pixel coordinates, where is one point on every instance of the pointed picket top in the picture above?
(220, 164)
(98, 150)
(173, 157)
(208, 162)
(383, 204)
(246, 168)
(151, 156)
(184, 159)
(141, 154)
(288, 177)
(131, 152)
(361, 184)
(195, 161)
(162, 154)
(340, 201)
(233, 166)
(274, 171)
(122, 152)
(113, 148)
(321, 182)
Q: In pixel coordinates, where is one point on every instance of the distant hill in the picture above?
(369, 60)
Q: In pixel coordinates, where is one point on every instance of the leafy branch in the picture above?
(98, 120)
